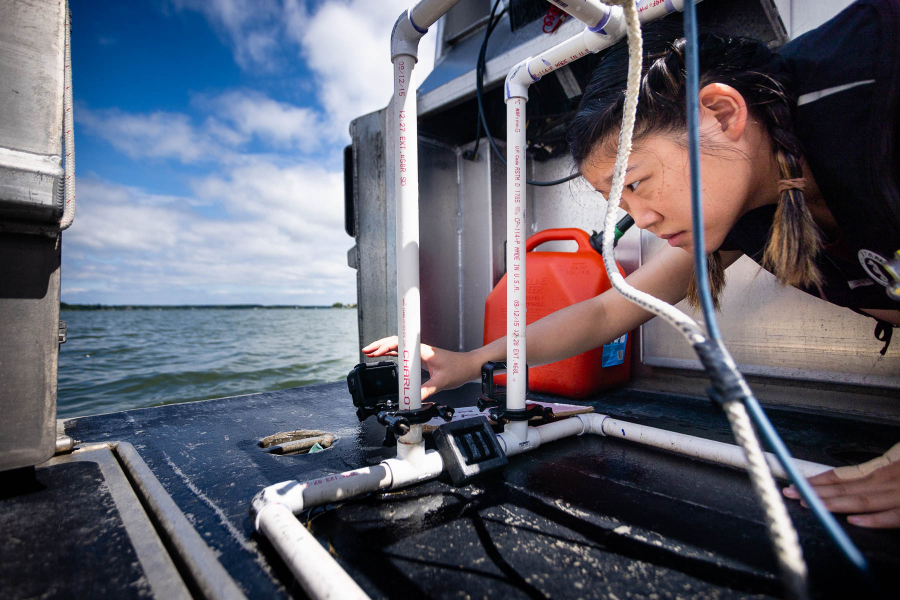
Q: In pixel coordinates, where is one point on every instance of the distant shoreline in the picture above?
(65, 306)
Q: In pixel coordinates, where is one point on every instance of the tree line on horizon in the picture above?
(66, 306)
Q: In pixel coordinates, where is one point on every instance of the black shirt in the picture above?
(846, 77)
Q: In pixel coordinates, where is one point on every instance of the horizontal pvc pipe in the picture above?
(393, 473)
(314, 568)
(650, 10)
(516, 441)
(298, 496)
(425, 13)
(578, 46)
(560, 429)
(688, 445)
(594, 38)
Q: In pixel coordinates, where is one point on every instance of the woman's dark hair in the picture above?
(748, 66)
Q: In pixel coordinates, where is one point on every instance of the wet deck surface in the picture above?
(65, 525)
(582, 517)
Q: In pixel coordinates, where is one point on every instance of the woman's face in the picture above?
(657, 191)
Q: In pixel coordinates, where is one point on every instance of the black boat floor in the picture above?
(584, 517)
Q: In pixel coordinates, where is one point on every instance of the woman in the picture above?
(800, 172)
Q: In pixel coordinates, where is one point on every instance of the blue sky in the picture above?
(209, 136)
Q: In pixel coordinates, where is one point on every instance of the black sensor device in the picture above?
(373, 383)
(468, 448)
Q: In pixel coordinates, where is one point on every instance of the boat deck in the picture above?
(579, 518)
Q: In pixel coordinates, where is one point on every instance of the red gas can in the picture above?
(556, 280)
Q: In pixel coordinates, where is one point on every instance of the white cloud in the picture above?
(301, 197)
(271, 242)
(345, 43)
(249, 27)
(157, 135)
(237, 117)
(113, 217)
(278, 124)
(347, 46)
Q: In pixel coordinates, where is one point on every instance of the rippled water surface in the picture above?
(121, 359)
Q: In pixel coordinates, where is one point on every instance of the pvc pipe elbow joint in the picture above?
(592, 13)
(593, 423)
(424, 13)
(286, 493)
(518, 80)
(405, 38)
(607, 32)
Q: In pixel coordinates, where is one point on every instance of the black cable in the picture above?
(479, 67)
(479, 94)
(722, 370)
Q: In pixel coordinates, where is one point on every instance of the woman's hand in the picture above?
(447, 369)
(871, 491)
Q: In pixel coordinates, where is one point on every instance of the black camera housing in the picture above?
(373, 384)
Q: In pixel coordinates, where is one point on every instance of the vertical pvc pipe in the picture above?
(406, 178)
(516, 220)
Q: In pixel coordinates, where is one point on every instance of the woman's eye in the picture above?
(634, 186)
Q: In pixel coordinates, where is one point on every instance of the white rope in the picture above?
(69, 129)
(781, 531)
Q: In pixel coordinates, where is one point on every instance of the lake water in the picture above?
(122, 359)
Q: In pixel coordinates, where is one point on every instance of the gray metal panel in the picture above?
(376, 282)
(31, 185)
(29, 345)
(439, 272)
(31, 107)
(31, 69)
(498, 215)
(463, 18)
(482, 189)
(800, 16)
(779, 332)
(576, 204)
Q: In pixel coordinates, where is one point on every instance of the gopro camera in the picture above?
(371, 384)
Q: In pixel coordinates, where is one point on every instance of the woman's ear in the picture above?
(727, 106)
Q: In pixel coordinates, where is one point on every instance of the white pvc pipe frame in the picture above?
(274, 507)
(604, 26)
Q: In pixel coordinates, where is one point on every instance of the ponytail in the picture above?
(794, 240)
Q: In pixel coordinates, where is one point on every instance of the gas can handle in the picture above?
(560, 235)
